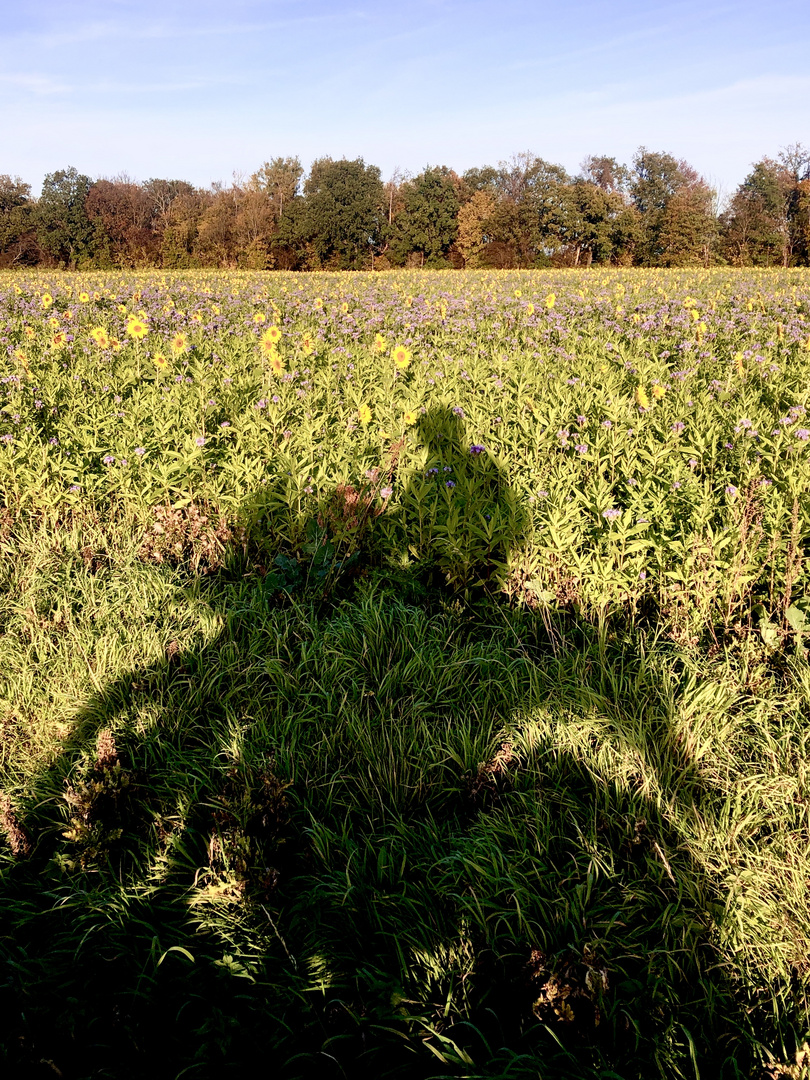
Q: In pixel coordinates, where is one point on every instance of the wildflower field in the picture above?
(405, 674)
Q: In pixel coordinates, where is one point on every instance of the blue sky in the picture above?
(200, 90)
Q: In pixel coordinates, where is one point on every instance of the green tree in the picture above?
(527, 222)
(343, 216)
(675, 207)
(428, 222)
(587, 221)
(689, 227)
(756, 226)
(64, 229)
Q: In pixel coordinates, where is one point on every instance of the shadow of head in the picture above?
(458, 510)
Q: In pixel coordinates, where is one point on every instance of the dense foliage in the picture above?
(405, 674)
(525, 213)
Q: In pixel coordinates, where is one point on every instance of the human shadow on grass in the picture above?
(336, 841)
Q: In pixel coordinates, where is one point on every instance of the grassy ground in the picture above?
(384, 829)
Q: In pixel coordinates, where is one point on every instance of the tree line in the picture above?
(526, 212)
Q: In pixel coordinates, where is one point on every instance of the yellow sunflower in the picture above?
(401, 357)
(178, 344)
(99, 335)
(137, 328)
(276, 364)
(259, 318)
(160, 360)
(364, 414)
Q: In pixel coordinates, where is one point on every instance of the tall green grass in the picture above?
(385, 832)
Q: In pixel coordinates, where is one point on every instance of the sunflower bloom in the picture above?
(401, 357)
(178, 344)
(160, 361)
(658, 391)
(380, 344)
(30, 333)
(84, 297)
(276, 364)
(307, 345)
(272, 334)
(100, 336)
(530, 309)
(344, 307)
(47, 300)
(59, 340)
(411, 417)
(551, 300)
(137, 328)
(259, 318)
(739, 363)
(364, 414)
(642, 400)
